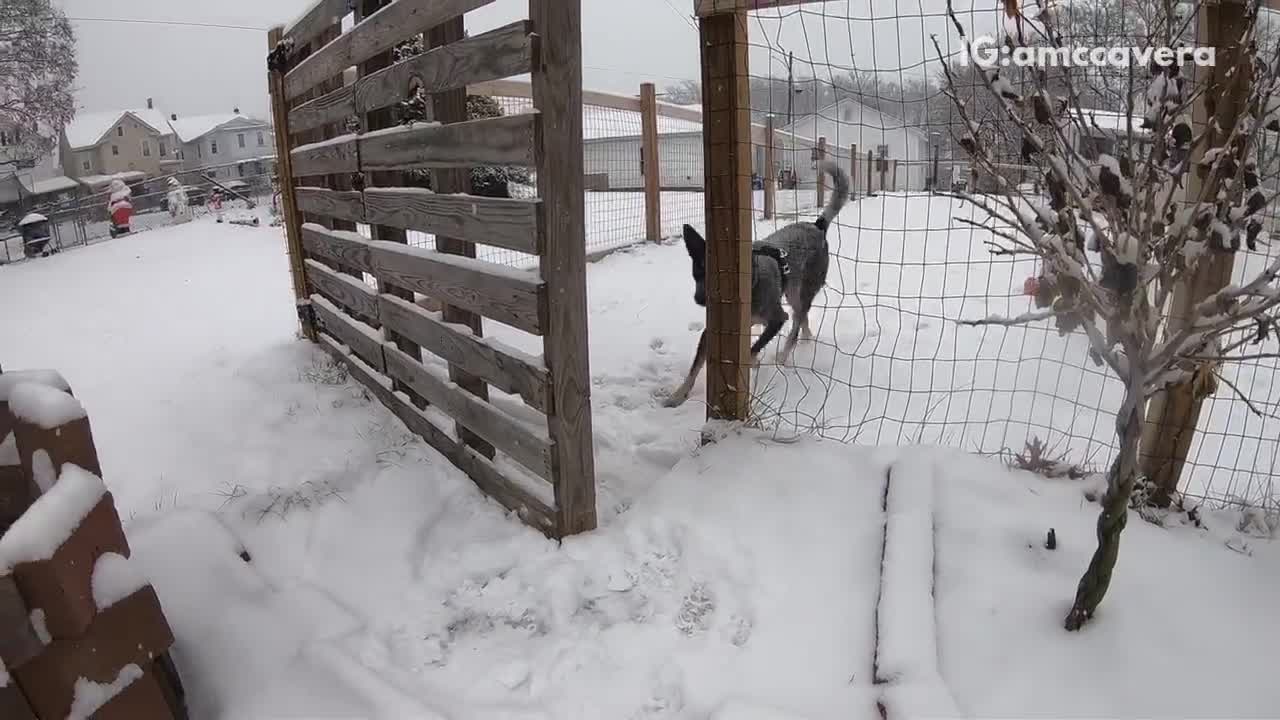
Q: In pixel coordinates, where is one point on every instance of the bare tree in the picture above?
(1120, 233)
(37, 72)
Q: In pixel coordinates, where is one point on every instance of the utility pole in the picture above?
(791, 88)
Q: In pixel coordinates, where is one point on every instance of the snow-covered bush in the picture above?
(1123, 231)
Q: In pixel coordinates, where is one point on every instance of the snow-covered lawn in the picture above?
(737, 581)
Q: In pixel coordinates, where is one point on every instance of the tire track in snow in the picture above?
(906, 638)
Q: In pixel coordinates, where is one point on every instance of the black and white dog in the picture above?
(790, 263)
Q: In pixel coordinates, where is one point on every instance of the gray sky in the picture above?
(193, 71)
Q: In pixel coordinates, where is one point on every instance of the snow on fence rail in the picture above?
(82, 633)
(519, 426)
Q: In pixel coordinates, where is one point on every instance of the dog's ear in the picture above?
(694, 243)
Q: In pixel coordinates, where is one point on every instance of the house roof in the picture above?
(832, 112)
(601, 122)
(1112, 121)
(89, 129)
(97, 180)
(197, 126)
(61, 183)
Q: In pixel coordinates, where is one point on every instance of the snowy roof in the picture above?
(94, 180)
(88, 129)
(31, 219)
(1112, 121)
(197, 126)
(601, 122)
(60, 183)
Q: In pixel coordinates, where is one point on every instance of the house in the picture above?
(118, 141)
(1104, 131)
(227, 146)
(612, 134)
(848, 122)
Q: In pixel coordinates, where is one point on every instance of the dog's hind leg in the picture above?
(799, 319)
(777, 319)
(699, 359)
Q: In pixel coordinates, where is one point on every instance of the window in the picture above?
(163, 150)
(146, 148)
(261, 140)
(240, 169)
(4, 138)
(115, 149)
(199, 151)
(882, 151)
(240, 139)
(86, 165)
(213, 147)
(119, 131)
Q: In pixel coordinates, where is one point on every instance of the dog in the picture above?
(792, 263)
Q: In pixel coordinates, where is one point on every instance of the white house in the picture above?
(847, 123)
(227, 146)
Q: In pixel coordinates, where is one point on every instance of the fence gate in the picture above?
(342, 164)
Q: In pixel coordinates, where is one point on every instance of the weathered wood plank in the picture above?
(340, 204)
(508, 370)
(363, 340)
(493, 55)
(504, 140)
(292, 216)
(342, 246)
(450, 106)
(514, 297)
(482, 472)
(322, 15)
(518, 440)
(327, 157)
(345, 290)
(703, 8)
(333, 107)
(557, 93)
(377, 33)
(502, 222)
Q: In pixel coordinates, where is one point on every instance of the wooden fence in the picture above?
(342, 158)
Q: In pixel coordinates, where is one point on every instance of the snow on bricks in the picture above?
(68, 441)
(82, 633)
(51, 550)
(133, 631)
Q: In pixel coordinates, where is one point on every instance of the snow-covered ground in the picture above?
(745, 579)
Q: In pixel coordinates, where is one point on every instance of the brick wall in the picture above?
(72, 645)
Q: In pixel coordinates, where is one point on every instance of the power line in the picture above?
(135, 21)
(681, 15)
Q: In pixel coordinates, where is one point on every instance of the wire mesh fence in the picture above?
(84, 220)
(889, 363)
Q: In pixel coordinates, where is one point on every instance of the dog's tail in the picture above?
(839, 194)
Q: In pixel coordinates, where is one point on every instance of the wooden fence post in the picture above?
(821, 154)
(770, 172)
(284, 171)
(451, 107)
(853, 170)
(557, 90)
(650, 162)
(871, 163)
(893, 177)
(726, 138)
(1173, 414)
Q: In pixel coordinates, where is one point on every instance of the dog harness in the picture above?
(779, 256)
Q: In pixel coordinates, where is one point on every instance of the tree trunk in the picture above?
(1115, 510)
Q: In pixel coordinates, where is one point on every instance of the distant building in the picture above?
(227, 146)
(118, 141)
(847, 123)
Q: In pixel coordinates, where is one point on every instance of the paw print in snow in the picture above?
(696, 610)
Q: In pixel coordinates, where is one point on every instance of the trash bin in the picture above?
(36, 238)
